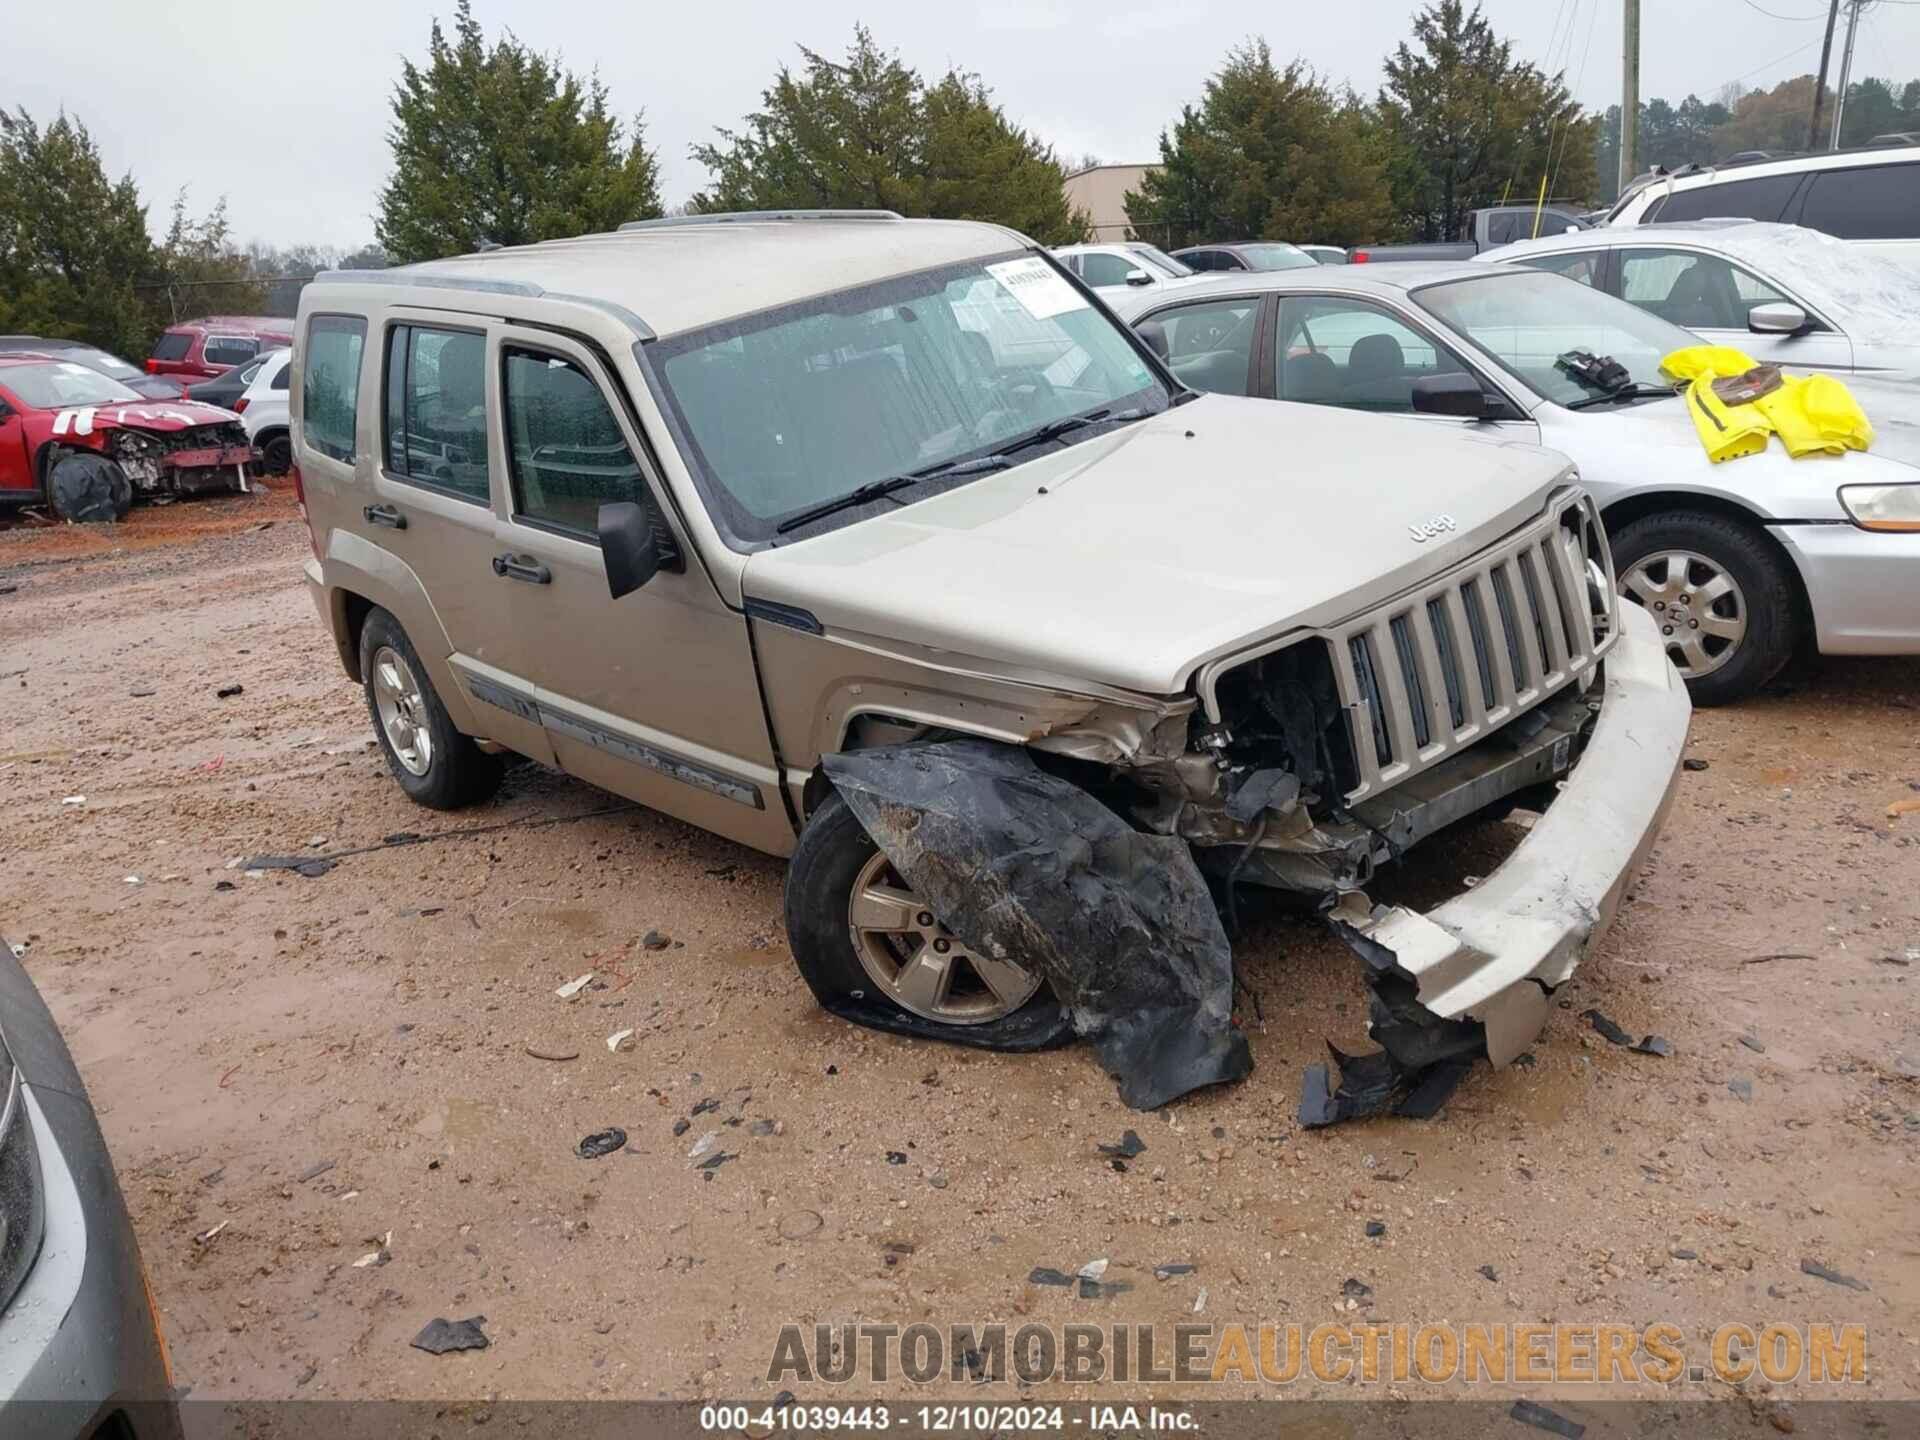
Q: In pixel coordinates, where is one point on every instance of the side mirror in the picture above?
(1778, 318)
(1155, 334)
(1139, 277)
(1461, 396)
(635, 546)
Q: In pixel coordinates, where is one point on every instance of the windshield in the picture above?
(1276, 257)
(790, 408)
(1528, 319)
(60, 383)
(1162, 261)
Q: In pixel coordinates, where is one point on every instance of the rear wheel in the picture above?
(1719, 591)
(276, 455)
(432, 761)
(871, 951)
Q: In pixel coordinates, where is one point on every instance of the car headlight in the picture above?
(1883, 507)
(22, 1205)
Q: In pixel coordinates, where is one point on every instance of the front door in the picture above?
(16, 468)
(1711, 296)
(653, 696)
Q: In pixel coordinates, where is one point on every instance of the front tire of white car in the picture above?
(1720, 591)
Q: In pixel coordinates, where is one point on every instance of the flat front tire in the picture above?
(873, 953)
(433, 762)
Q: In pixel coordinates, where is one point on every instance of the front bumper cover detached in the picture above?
(1476, 974)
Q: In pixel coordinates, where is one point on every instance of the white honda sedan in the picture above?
(1779, 292)
(1737, 562)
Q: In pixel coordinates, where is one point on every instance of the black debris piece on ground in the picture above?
(227, 692)
(601, 1142)
(1653, 1045)
(1741, 1086)
(316, 1170)
(896, 1157)
(442, 1336)
(1832, 1277)
(1776, 955)
(1684, 1254)
(1167, 1272)
(783, 1399)
(143, 694)
(1130, 1145)
(717, 1159)
(654, 940)
(1045, 1275)
(1491, 1273)
(1102, 1289)
(1605, 1027)
(1021, 863)
(560, 1053)
(1375, 1229)
(1527, 1412)
(224, 885)
(1376, 1084)
(682, 1125)
(1754, 1043)
(410, 837)
(761, 1128)
(712, 1102)
(1694, 764)
(1526, 1060)
(1355, 1289)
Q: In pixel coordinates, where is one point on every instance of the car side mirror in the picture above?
(1155, 334)
(1139, 277)
(1461, 396)
(635, 545)
(1778, 318)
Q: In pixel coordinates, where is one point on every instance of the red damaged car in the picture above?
(85, 445)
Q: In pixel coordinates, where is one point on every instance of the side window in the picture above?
(330, 384)
(282, 377)
(1581, 265)
(436, 410)
(1761, 198)
(1099, 269)
(1701, 292)
(1503, 228)
(1198, 261)
(173, 345)
(1872, 202)
(1355, 355)
(229, 350)
(1210, 346)
(565, 448)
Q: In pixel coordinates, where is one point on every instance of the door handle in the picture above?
(522, 567)
(385, 515)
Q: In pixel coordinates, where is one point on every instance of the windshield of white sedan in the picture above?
(1528, 320)
(793, 409)
(60, 383)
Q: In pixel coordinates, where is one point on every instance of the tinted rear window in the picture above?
(1761, 198)
(1873, 202)
(172, 346)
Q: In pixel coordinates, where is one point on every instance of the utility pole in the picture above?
(1820, 80)
(1630, 89)
(1846, 71)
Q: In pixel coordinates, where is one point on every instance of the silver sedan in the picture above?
(1736, 562)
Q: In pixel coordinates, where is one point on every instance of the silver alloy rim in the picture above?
(403, 710)
(916, 961)
(1699, 607)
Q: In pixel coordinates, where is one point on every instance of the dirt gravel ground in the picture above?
(330, 1068)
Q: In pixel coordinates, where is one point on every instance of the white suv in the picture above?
(1871, 197)
(263, 410)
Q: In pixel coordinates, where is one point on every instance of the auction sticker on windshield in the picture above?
(1041, 290)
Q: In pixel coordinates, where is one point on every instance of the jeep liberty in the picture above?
(691, 509)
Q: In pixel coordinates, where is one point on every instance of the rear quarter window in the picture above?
(1870, 202)
(1762, 198)
(330, 384)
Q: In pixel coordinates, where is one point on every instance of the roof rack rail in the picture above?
(733, 217)
(409, 275)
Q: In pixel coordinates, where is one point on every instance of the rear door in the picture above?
(1877, 206)
(653, 696)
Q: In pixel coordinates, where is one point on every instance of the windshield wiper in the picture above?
(1635, 390)
(1000, 459)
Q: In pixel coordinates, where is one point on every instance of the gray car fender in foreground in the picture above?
(1496, 952)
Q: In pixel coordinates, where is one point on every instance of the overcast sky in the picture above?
(283, 109)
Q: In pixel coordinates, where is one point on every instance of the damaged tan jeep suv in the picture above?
(882, 545)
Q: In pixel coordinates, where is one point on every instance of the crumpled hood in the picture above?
(164, 416)
(1129, 559)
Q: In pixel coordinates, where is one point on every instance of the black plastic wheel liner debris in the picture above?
(1028, 866)
(88, 488)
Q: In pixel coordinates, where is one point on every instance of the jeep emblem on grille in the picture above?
(1427, 529)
